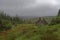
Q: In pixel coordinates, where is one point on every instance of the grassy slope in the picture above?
(32, 32)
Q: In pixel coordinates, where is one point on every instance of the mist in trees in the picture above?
(7, 22)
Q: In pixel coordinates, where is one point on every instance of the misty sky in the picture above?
(30, 7)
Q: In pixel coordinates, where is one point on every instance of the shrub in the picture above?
(55, 21)
(5, 25)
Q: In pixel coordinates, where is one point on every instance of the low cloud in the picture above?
(30, 7)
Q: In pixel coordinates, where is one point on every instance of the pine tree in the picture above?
(59, 12)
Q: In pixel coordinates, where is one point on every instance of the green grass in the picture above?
(32, 32)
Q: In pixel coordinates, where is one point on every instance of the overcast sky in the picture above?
(30, 7)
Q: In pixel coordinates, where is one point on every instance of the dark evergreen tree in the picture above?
(56, 20)
(6, 21)
(59, 12)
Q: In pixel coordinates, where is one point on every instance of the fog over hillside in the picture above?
(30, 7)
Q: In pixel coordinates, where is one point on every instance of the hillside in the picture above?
(32, 32)
(39, 28)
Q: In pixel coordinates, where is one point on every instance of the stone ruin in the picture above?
(41, 21)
